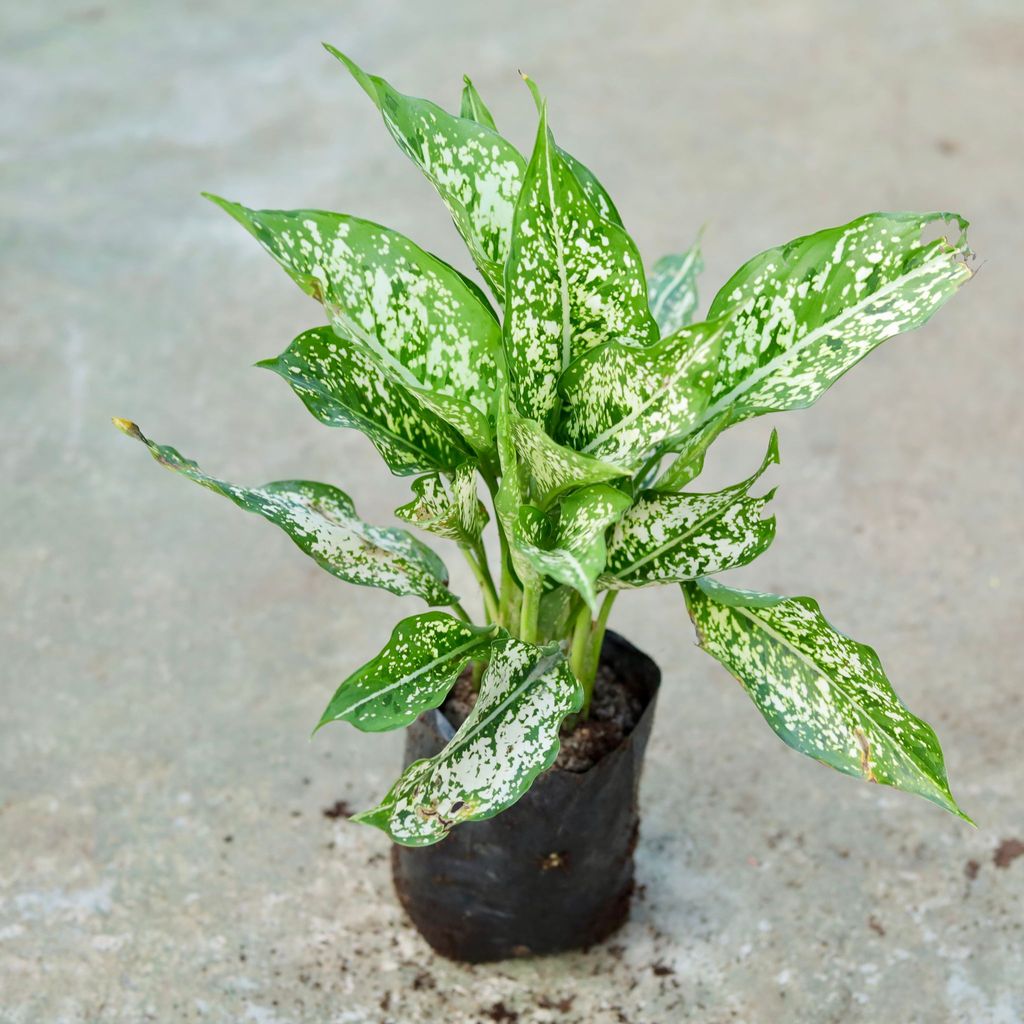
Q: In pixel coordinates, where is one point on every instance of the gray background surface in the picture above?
(163, 852)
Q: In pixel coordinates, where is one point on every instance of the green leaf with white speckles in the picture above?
(425, 323)
(622, 402)
(573, 280)
(672, 288)
(412, 674)
(689, 455)
(509, 738)
(346, 386)
(475, 109)
(450, 508)
(476, 172)
(572, 553)
(322, 521)
(822, 693)
(553, 467)
(666, 538)
(799, 316)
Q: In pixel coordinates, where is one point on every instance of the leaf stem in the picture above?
(461, 612)
(594, 655)
(529, 612)
(483, 578)
(580, 636)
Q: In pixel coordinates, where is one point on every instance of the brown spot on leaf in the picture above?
(1007, 852)
(865, 755)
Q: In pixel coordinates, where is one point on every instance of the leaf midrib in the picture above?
(750, 382)
(470, 643)
(865, 713)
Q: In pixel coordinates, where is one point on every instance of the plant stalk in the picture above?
(593, 659)
(529, 612)
(483, 578)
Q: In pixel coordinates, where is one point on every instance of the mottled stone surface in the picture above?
(163, 852)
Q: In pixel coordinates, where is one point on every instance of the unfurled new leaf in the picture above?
(573, 280)
(431, 328)
(475, 171)
(823, 693)
(450, 508)
(799, 316)
(622, 402)
(412, 674)
(509, 738)
(322, 521)
(689, 455)
(573, 552)
(473, 107)
(666, 538)
(672, 289)
(345, 385)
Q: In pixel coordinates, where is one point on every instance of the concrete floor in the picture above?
(163, 851)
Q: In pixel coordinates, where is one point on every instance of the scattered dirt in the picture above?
(1007, 852)
(339, 809)
(561, 1005)
(971, 869)
(662, 969)
(875, 925)
(500, 1012)
(614, 712)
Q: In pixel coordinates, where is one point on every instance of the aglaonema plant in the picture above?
(582, 411)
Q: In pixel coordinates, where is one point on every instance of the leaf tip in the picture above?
(128, 428)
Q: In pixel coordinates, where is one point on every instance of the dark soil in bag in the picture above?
(554, 871)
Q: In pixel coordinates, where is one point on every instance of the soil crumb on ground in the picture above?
(614, 712)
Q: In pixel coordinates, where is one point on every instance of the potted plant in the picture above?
(583, 411)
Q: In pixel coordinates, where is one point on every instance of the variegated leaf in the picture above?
(573, 280)
(557, 607)
(412, 674)
(553, 467)
(474, 108)
(512, 491)
(475, 171)
(344, 385)
(322, 521)
(574, 552)
(672, 288)
(452, 509)
(689, 455)
(799, 316)
(431, 328)
(822, 693)
(623, 402)
(509, 738)
(667, 538)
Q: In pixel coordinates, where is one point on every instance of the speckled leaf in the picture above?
(450, 508)
(322, 521)
(799, 316)
(509, 738)
(553, 467)
(689, 455)
(346, 386)
(475, 171)
(573, 280)
(474, 108)
(413, 673)
(823, 693)
(574, 552)
(431, 328)
(667, 538)
(624, 402)
(672, 288)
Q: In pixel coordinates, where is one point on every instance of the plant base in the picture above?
(552, 873)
